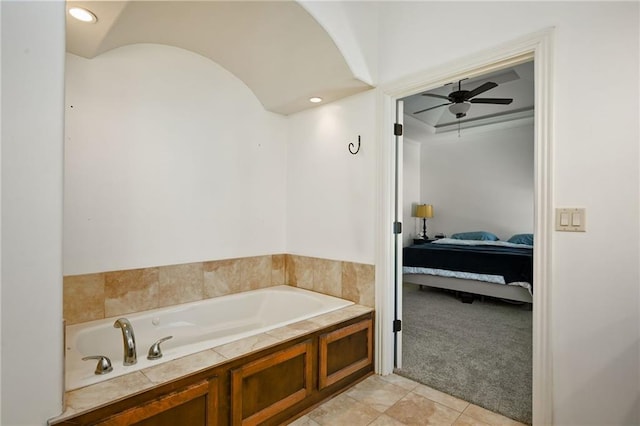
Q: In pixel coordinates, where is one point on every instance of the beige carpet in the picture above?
(479, 352)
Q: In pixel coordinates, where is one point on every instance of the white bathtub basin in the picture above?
(194, 326)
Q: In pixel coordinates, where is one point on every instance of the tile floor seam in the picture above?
(457, 418)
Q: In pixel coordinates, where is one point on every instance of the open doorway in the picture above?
(537, 46)
(468, 184)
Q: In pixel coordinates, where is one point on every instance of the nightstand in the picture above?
(422, 241)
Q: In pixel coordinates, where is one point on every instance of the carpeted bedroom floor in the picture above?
(479, 352)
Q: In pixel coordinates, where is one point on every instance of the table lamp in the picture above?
(424, 211)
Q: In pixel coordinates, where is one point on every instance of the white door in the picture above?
(397, 241)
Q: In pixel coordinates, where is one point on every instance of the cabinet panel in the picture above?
(269, 385)
(345, 351)
(194, 405)
(192, 412)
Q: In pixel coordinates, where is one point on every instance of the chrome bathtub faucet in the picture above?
(154, 351)
(128, 340)
(103, 366)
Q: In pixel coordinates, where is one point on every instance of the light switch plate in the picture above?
(571, 219)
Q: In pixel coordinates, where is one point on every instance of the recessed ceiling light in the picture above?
(315, 100)
(82, 14)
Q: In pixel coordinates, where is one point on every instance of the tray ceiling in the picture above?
(515, 83)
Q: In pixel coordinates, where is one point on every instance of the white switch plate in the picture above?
(571, 220)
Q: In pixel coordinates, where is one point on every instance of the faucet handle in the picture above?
(104, 363)
(154, 350)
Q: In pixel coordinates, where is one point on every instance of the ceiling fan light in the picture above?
(460, 109)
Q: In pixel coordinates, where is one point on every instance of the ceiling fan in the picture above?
(460, 100)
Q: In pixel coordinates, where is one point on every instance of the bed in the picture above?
(490, 268)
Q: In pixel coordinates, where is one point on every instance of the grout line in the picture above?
(457, 418)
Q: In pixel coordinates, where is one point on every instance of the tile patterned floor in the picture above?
(396, 401)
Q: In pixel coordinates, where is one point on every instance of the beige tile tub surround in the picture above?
(83, 298)
(228, 276)
(95, 296)
(348, 280)
(299, 271)
(221, 277)
(101, 295)
(180, 284)
(278, 269)
(130, 291)
(255, 272)
(358, 283)
(327, 277)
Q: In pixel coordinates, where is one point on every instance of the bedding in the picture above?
(514, 262)
(496, 279)
(480, 242)
(475, 235)
(522, 239)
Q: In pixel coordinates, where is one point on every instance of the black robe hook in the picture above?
(352, 145)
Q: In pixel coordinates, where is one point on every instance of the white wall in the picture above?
(481, 180)
(32, 139)
(595, 311)
(411, 226)
(0, 220)
(169, 159)
(330, 192)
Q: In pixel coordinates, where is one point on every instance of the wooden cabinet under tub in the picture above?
(272, 384)
(265, 387)
(345, 351)
(190, 403)
(195, 405)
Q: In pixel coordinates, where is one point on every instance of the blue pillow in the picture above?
(522, 239)
(477, 235)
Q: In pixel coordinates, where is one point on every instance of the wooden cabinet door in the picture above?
(269, 385)
(345, 351)
(194, 405)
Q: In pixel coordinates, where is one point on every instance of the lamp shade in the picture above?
(424, 210)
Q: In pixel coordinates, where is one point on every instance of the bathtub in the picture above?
(195, 326)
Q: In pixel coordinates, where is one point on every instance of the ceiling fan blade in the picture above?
(427, 109)
(433, 95)
(501, 101)
(480, 89)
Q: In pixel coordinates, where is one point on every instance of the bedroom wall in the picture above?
(595, 309)
(412, 227)
(161, 167)
(481, 180)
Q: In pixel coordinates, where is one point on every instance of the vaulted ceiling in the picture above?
(275, 47)
(515, 83)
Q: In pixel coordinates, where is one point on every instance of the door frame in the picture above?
(537, 47)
